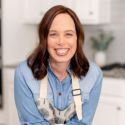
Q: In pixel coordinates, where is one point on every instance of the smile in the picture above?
(61, 51)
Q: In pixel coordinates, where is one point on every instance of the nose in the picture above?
(61, 40)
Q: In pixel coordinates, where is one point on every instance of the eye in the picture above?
(52, 34)
(69, 34)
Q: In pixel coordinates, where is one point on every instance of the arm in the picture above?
(26, 107)
(90, 106)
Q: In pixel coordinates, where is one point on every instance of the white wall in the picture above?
(15, 33)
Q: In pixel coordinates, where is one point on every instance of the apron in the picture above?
(54, 115)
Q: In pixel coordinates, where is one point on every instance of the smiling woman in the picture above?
(57, 84)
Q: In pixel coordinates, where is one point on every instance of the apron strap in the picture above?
(76, 92)
(43, 87)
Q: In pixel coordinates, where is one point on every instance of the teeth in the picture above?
(61, 51)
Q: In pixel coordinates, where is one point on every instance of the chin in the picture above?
(63, 60)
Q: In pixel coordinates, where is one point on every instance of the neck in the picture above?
(60, 69)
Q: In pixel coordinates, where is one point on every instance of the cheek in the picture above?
(49, 44)
(75, 48)
(74, 45)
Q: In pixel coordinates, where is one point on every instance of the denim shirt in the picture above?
(27, 90)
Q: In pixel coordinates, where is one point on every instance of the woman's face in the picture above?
(62, 39)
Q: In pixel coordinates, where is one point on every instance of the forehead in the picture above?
(63, 22)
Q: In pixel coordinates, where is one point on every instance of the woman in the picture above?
(57, 84)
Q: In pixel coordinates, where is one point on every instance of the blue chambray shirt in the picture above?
(27, 90)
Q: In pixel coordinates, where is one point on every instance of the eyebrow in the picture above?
(64, 31)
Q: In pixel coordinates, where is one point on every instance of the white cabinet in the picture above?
(89, 11)
(10, 116)
(93, 11)
(111, 108)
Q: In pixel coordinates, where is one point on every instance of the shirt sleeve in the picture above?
(90, 106)
(25, 104)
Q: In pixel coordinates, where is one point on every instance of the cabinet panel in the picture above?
(33, 10)
(85, 10)
(113, 87)
(12, 116)
(109, 112)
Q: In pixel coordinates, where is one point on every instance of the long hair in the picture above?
(38, 60)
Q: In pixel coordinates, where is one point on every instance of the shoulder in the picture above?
(23, 69)
(94, 70)
(23, 72)
(93, 77)
(24, 77)
(22, 66)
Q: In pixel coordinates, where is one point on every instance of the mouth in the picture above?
(62, 51)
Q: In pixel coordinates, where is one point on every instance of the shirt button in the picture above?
(59, 93)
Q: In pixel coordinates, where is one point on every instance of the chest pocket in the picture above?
(85, 97)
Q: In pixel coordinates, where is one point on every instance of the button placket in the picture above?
(59, 93)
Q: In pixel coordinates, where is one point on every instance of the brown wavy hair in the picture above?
(38, 60)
